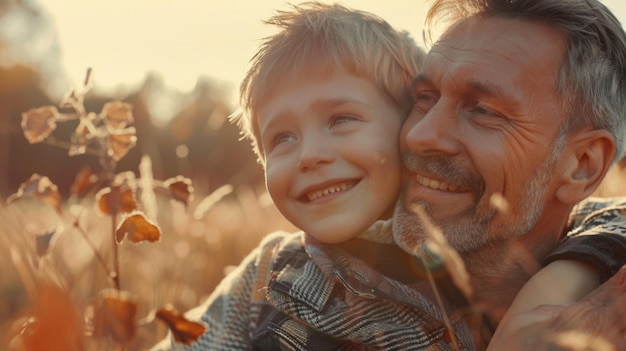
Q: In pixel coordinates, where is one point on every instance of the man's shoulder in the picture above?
(596, 211)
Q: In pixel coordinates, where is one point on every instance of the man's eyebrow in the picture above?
(488, 89)
(479, 87)
(494, 91)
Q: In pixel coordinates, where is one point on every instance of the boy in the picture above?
(348, 115)
(324, 101)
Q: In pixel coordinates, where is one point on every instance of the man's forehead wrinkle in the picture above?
(517, 48)
(439, 55)
(443, 53)
(514, 50)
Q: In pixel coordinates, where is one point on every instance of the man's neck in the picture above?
(500, 270)
(497, 275)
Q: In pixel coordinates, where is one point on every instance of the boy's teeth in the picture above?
(333, 189)
(437, 185)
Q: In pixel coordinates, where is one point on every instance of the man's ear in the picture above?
(588, 158)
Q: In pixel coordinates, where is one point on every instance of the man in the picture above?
(498, 149)
(520, 103)
(596, 322)
(512, 107)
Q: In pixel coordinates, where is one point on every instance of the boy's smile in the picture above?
(330, 143)
(325, 191)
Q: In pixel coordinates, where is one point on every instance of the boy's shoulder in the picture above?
(280, 248)
(280, 243)
(279, 238)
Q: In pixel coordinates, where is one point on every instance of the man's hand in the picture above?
(596, 322)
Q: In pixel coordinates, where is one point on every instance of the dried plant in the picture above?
(112, 314)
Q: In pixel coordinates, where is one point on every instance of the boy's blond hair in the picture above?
(316, 37)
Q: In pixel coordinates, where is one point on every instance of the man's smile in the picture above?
(437, 184)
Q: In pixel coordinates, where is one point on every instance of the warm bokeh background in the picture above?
(178, 63)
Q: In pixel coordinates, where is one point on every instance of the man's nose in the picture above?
(314, 152)
(435, 132)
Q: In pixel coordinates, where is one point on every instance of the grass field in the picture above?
(181, 269)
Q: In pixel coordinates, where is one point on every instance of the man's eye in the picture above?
(482, 110)
(424, 100)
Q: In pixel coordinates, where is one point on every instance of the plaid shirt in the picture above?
(294, 293)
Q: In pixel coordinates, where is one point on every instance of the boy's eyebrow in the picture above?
(334, 102)
(317, 105)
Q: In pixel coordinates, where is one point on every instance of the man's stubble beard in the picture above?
(471, 231)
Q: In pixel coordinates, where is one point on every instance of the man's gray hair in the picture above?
(592, 77)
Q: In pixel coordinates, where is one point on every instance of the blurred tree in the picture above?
(196, 140)
(200, 142)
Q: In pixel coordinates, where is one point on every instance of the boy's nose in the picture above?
(314, 153)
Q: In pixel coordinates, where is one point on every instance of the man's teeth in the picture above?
(335, 188)
(437, 185)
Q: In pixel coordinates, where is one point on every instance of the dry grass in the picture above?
(181, 269)
(199, 243)
(67, 284)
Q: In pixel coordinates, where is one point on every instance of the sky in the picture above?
(123, 40)
(180, 39)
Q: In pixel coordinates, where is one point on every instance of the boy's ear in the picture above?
(590, 157)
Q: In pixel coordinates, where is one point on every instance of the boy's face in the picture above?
(330, 144)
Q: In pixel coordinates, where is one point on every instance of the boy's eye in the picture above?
(271, 141)
(283, 138)
(341, 119)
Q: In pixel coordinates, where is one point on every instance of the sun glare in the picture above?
(179, 40)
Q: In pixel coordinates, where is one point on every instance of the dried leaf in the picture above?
(39, 123)
(138, 228)
(128, 202)
(118, 114)
(105, 201)
(120, 142)
(183, 330)
(84, 180)
(55, 324)
(114, 315)
(180, 189)
(39, 187)
(116, 199)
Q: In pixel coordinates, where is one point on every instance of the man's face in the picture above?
(332, 164)
(482, 129)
